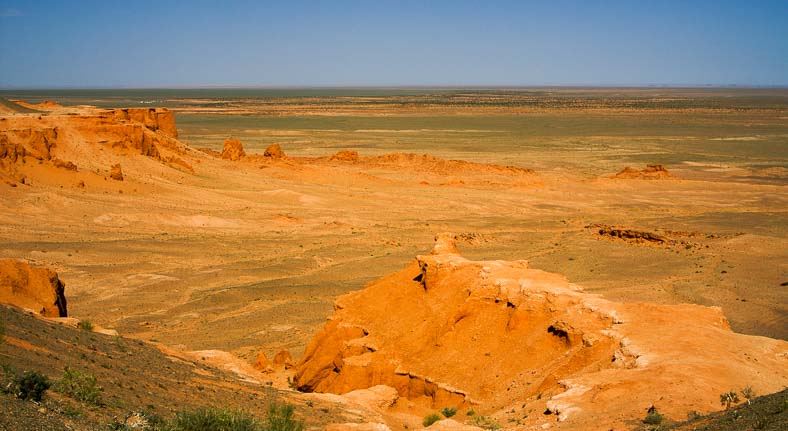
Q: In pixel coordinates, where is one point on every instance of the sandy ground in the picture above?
(245, 259)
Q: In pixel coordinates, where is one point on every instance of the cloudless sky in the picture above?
(163, 43)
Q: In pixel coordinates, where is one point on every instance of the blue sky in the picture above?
(379, 43)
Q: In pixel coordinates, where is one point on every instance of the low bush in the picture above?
(448, 412)
(653, 417)
(85, 324)
(79, 385)
(31, 385)
(430, 419)
(729, 398)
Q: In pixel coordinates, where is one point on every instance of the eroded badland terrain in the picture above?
(599, 252)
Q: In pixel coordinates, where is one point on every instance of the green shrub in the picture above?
(448, 412)
(86, 325)
(653, 417)
(430, 419)
(280, 418)
(79, 385)
(31, 385)
(470, 413)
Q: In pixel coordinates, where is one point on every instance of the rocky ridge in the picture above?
(529, 347)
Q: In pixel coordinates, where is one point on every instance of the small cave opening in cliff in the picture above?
(560, 333)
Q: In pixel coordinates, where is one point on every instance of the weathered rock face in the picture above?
(155, 119)
(62, 137)
(507, 339)
(17, 144)
(233, 149)
(35, 288)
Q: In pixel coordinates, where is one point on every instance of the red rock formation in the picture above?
(61, 138)
(283, 360)
(425, 163)
(503, 338)
(261, 363)
(34, 288)
(345, 156)
(156, 119)
(19, 143)
(651, 172)
(233, 149)
(274, 151)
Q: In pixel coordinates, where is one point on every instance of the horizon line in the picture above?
(404, 86)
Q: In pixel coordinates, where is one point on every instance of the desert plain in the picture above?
(204, 247)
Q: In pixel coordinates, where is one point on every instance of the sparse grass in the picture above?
(430, 419)
(280, 418)
(79, 385)
(485, 422)
(85, 324)
(448, 412)
(31, 385)
(211, 419)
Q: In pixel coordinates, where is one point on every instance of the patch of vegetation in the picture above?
(430, 419)
(79, 385)
(485, 422)
(448, 412)
(211, 419)
(31, 385)
(470, 413)
(85, 324)
(748, 394)
(280, 418)
(729, 398)
(653, 416)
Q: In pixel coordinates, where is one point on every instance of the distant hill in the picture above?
(9, 107)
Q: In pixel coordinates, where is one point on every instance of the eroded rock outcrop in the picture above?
(427, 163)
(650, 172)
(233, 149)
(160, 120)
(274, 151)
(35, 288)
(67, 137)
(507, 339)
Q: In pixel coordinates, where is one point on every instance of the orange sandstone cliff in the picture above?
(34, 288)
(528, 346)
(75, 139)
